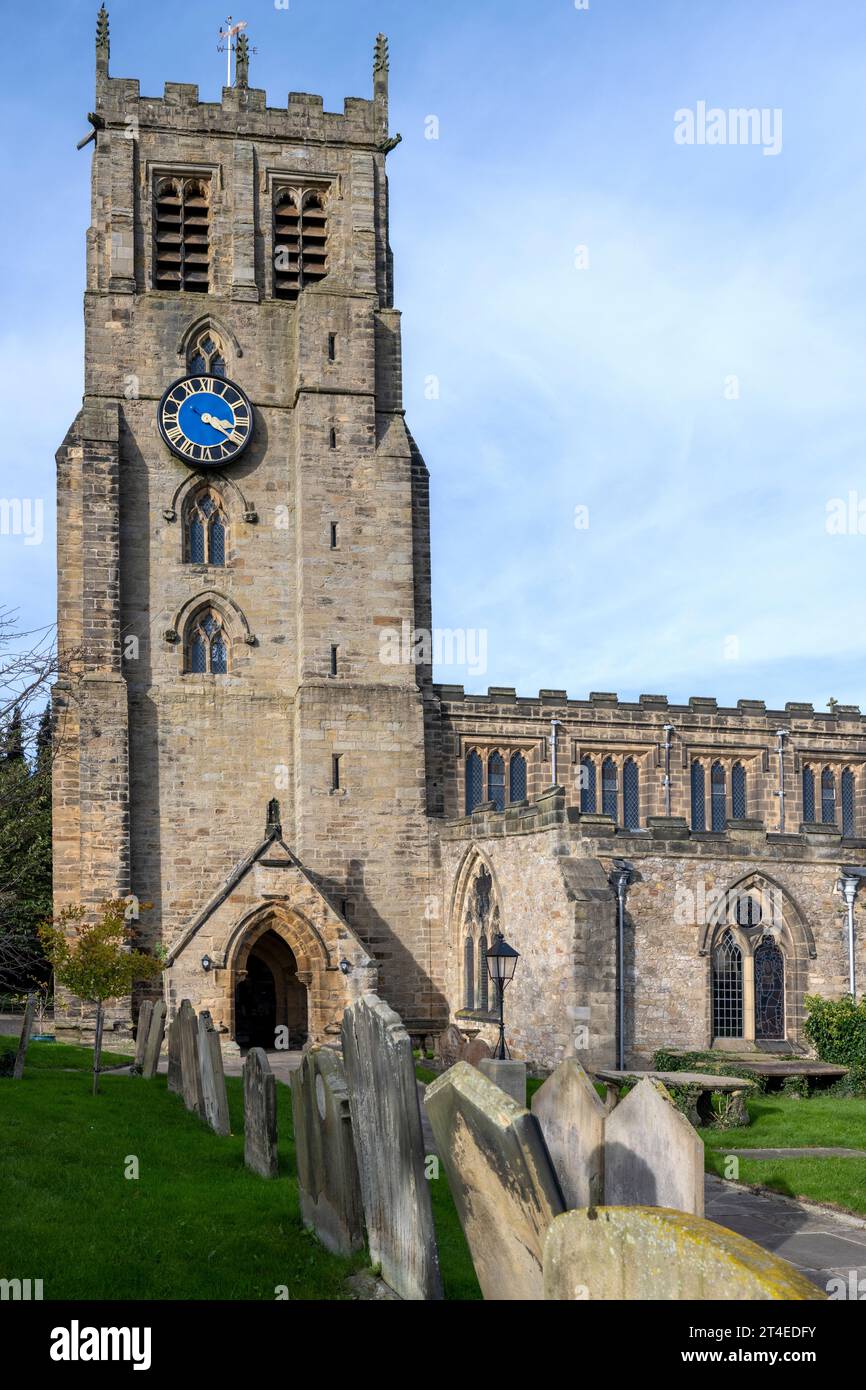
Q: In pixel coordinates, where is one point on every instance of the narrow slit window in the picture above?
(474, 781)
(718, 797)
(738, 791)
(332, 347)
(517, 778)
(587, 786)
(334, 535)
(630, 795)
(332, 438)
(849, 826)
(496, 780)
(699, 814)
(335, 771)
(808, 795)
(609, 788)
(828, 797)
(334, 655)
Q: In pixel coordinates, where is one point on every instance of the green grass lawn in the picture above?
(62, 1057)
(195, 1224)
(780, 1122)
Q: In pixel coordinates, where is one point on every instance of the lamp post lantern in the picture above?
(501, 962)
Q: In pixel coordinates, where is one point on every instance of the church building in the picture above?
(243, 525)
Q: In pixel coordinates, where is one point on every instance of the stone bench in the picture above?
(702, 1084)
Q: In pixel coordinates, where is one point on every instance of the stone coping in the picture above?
(707, 1080)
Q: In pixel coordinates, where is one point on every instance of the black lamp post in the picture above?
(501, 961)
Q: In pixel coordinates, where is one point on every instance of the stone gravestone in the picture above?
(476, 1051)
(215, 1105)
(628, 1253)
(190, 1073)
(141, 1031)
(175, 1070)
(571, 1116)
(501, 1177)
(451, 1044)
(24, 1039)
(327, 1168)
(260, 1114)
(155, 1035)
(389, 1144)
(508, 1075)
(652, 1156)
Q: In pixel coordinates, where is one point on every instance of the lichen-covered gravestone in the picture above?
(327, 1168)
(652, 1156)
(571, 1116)
(153, 1045)
(501, 1178)
(451, 1045)
(260, 1114)
(642, 1253)
(175, 1068)
(190, 1072)
(215, 1105)
(142, 1029)
(389, 1144)
(24, 1038)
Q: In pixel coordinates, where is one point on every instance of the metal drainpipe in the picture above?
(554, 725)
(781, 735)
(668, 732)
(620, 878)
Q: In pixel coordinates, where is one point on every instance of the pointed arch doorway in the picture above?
(270, 995)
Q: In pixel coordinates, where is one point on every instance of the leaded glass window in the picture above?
(483, 976)
(517, 775)
(474, 782)
(496, 780)
(608, 788)
(769, 990)
(738, 792)
(469, 973)
(587, 786)
(718, 797)
(848, 814)
(699, 816)
(630, 795)
(828, 797)
(808, 795)
(727, 988)
(207, 647)
(206, 528)
(206, 356)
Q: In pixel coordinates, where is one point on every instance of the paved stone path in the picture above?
(797, 1153)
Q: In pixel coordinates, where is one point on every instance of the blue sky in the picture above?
(707, 567)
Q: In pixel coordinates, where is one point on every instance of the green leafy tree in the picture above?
(97, 960)
(25, 853)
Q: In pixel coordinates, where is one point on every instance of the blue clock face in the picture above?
(205, 420)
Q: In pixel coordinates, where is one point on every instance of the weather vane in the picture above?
(228, 43)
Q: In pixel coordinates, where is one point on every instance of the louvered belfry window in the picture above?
(300, 242)
(182, 234)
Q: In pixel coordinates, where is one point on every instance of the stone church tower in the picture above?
(233, 751)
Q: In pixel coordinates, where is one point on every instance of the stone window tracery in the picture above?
(206, 356)
(205, 528)
(480, 923)
(207, 645)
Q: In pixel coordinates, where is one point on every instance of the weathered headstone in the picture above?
(142, 1029)
(190, 1072)
(508, 1075)
(215, 1105)
(652, 1155)
(389, 1144)
(260, 1114)
(24, 1038)
(643, 1253)
(571, 1116)
(175, 1067)
(501, 1178)
(451, 1044)
(155, 1035)
(327, 1168)
(476, 1051)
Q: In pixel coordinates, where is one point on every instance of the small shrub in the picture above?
(795, 1087)
(837, 1029)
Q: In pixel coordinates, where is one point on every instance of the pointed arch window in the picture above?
(207, 647)
(474, 782)
(738, 791)
(808, 795)
(182, 234)
(718, 797)
(630, 795)
(609, 788)
(206, 528)
(769, 991)
(469, 973)
(206, 356)
(849, 820)
(496, 780)
(517, 778)
(828, 797)
(699, 812)
(727, 988)
(483, 977)
(587, 786)
(300, 242)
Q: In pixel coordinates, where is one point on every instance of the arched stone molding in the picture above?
(237, 626)
(228, 486)
(198, 326)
